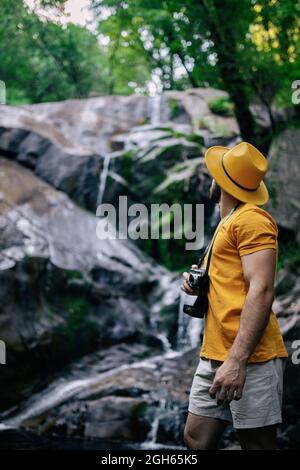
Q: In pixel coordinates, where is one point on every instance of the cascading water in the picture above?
(63, 390)
(151, 439)
(188, 331)
(103, 178)
(141, 136)
(106, 171)
(155, 110)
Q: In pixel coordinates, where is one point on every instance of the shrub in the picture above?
(222, 106)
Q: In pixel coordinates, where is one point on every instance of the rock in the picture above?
(86, 124)
(171, 424)
(195, 101)
(142, 402)
(287, 308)
(80, 316)
(115, 418)
(283, 180)
(294, 436)
(64, 142)
(70, 170)
(284, 282)
(280, 115)
(20, 439)
(64, 291)
(109, 418)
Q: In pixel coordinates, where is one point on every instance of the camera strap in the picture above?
(210, 245)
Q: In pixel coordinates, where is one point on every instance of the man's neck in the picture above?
(227, 202)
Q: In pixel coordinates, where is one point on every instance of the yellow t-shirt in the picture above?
(247, 230)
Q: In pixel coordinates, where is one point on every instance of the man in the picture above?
(239, 376)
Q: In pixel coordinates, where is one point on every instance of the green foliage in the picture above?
(77, 308)
(175, 108)
(162, 173)
(222, 106)
(73, 274)
(246, 47)
(254, 57)
(139, 410)
(161, 35)
(42, 60)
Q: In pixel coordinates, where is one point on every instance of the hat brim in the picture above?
(213, 162)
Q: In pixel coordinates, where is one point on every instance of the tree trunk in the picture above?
(226, 49)
(241, 109)
(236, 88)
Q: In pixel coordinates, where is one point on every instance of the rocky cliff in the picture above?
(97, 345)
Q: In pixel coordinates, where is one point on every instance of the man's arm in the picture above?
(259, 273)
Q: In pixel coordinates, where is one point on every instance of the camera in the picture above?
(195, 278)
(198, 280)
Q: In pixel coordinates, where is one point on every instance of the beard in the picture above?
(215, 192)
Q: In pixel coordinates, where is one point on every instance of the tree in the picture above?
(191, 32)
(43, 60)
(223, 44)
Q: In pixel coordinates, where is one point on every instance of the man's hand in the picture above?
(229, 381)
(185, 285)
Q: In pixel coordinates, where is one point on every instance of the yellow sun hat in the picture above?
(239, 171)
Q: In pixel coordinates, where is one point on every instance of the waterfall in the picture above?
(170, 290)
(151, 439)
(103, 178)
(155, 110)
(62, 390)
(189, 328)
(161, 412)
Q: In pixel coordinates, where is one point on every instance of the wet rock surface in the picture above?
(65, 292)
(283, 180)
(99, 354)
(140, 400)
(65, 143)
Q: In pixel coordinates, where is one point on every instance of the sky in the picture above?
(76, 11)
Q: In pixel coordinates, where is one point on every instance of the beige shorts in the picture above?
(260, 404)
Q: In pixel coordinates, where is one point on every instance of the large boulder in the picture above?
(197, 104)
(65, 292)
(86, 125)
(283, 180)
(283, 183)
(287, 307)
(144, 401)
(50, 154)
(64, 142)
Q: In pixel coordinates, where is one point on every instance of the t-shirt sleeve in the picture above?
(254, 231)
